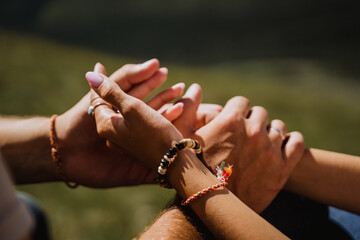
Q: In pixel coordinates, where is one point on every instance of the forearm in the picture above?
(171, 224)
(223, 213)
(328, 177)
(25, 147)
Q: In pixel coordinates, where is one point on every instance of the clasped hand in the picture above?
(242, 136)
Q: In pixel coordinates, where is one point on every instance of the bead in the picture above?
(198, 151)
(161, 170)
(169, 155)
(55, 155)
(164, 162)
(173, 151)
(180, 146)
(168, 159)
(197, 145)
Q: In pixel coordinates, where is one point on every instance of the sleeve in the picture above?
(16, 221)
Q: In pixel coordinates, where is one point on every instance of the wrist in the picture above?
(27, 150)
(188, 175)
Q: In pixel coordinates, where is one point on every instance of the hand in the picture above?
(138, 129)
(86, 158)
(262, 161)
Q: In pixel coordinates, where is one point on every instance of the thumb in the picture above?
(108, 90)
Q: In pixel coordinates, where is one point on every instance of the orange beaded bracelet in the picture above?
(55, 155)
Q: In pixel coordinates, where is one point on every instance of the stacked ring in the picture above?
(91, 109)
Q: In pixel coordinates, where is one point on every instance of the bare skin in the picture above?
(328, 177)
(85, 156)
(239, 135)
(321, 175)
(139, 126)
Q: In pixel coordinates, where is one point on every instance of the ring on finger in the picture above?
(91, 109)
(279, 131)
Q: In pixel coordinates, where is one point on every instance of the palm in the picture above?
(91, 162)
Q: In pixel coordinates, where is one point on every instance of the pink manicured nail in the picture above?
(94, 79)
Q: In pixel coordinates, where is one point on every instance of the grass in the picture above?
(41, 77)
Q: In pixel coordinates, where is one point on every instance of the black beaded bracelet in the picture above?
(170, 157)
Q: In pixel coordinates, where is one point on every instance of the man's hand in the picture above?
(240, 135)
(86, 158)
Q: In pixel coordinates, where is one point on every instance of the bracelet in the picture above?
(55, 155)
(170, 157)
(222, 173)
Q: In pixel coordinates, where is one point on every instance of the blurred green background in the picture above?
(298, 60)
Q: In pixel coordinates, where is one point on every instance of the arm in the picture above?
(84, 155)
(325, 176)
(26, 149)
(172, 223)
(328, 177)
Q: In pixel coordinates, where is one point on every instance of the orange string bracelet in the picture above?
(223, 174)
(55, 155)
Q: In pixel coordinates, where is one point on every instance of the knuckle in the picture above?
(262, 110)
(234, 119)
(241, 100)
(279, 123)
(298, 141)
(107, 91)
(255, 131)
(103, 131)
(130, 107)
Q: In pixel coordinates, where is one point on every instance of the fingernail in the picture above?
(97, 67)
(147, 63)
(164, 70)
(179, 85)
(192, 89)
(94, 79)
(179, 104)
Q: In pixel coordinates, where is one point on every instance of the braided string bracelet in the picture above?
(170, 157)
(222, 174)
(55, 155)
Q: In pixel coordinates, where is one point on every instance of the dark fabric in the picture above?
(350, 222)
(301, 218)
(41, 228)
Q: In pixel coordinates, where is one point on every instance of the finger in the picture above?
(191, 100)
(236, 107)
(94, 98)
(206, 113)
(259, 115)
(174, 111)
(166, 96)
(294, 149)
(277, 131)
(132, 74)
(99, 68)
(144, 88)
(109, 91)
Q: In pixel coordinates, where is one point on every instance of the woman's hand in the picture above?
(240, 135)
(86, 158)
(138, 129)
